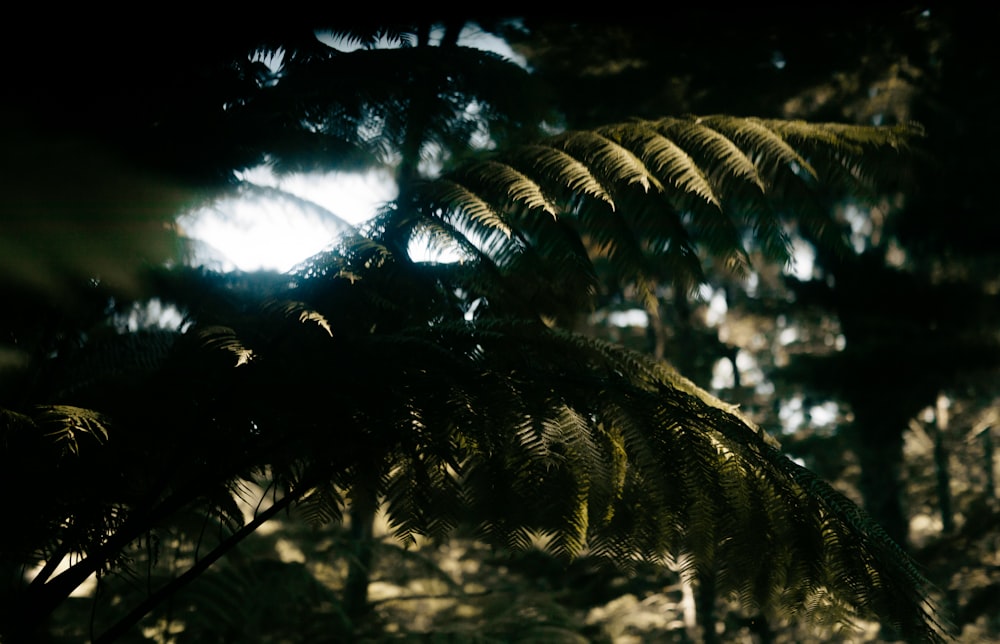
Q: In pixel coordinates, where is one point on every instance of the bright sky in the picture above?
(267, 232)
(251, 232)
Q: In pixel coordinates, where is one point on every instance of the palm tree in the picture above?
(452, 395)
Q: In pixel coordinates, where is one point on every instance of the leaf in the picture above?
(67, 425)
(667, 159)
(553, 168)
(507, 183)
(615, 164)
(301, 311)
(458, 199)
(726, 159)
(764, 144)
(224, 338)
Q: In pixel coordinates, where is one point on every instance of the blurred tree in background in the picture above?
(894, 337)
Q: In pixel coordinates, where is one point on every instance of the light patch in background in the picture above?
(253, 233)
(629, 318)
(722, 375)
(274, 234)
(750, 372)
(796, 415)
(715, 307)
(150, 314)
(803, 260)
(824, 414)
(791, 414)
(861, 226)
(751, 375)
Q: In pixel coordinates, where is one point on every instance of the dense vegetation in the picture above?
(370, 423)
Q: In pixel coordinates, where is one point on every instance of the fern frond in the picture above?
(300, 311)
(67, 425)
(763, 143)
(464, 202)
(726, 160)
(646, 196)
(614, 164)
(373, 36)
(506, 185)
(667, 160)
(551, 166)
(223, 338)
(619, 455)
(849, 156)
(324, 504)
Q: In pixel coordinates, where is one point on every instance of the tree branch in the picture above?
(156, 598)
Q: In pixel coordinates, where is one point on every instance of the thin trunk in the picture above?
(732, 353)
(706, 607)
(991, 489)
(656, 333)
(941, 466)
(422, 105)
(762, 629)
(364, 506)
(880, 455)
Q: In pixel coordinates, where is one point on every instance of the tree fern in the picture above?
(495, 421)
(437, 390)
(541, 436)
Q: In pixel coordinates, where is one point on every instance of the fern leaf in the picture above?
(218, 337)
(509, 184)
(457, 198)
(68, 425)
(301, 311)
(324, 504)
(554, 167)
(668, 160)
(726, 158)
(761, 141)
(614, 163)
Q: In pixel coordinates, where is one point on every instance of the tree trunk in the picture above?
(359, 563)
(991, 489)
(941, 466)
(706, 607)
(881, 464)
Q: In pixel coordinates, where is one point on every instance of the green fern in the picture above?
(68, 426)
(369, 369)
(670, 185)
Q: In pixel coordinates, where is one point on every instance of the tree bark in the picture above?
(881, 460)
(364, 506)
(706, 595)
